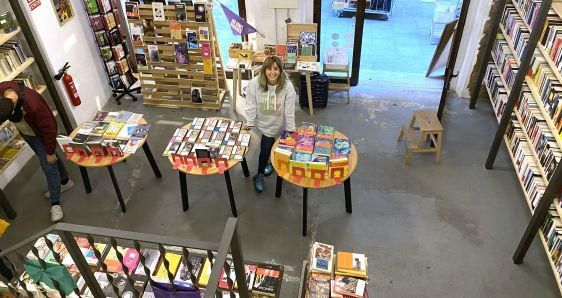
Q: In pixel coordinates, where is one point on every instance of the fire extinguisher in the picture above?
(68, 84)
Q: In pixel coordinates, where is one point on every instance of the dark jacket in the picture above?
(38, 115)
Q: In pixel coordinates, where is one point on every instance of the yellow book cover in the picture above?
(175, 30)
(9, 153)
(174, 260)
(205, 273)
(113, 130)
(295, 165)
(207, 66)
(282, 158)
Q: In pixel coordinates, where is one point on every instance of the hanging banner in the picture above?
(33, 4)
(237, 24)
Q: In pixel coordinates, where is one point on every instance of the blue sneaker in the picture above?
(268, 170)
(258, 182)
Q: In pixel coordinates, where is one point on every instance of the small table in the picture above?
(184, 169)
(307, 183)
(108, 162)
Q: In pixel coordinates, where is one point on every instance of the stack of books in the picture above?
(210, 138)
(11, 57)
(118, 130)
(343, 275)
(314, 151)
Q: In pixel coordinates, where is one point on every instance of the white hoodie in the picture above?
(270, 111)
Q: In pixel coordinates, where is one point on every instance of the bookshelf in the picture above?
(8, 36)
(520, 47)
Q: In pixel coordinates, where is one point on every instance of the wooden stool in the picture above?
(429, 127)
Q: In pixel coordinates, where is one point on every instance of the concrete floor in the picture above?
(429, 230)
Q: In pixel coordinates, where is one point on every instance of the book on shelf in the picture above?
(199, 9)
(115, 37)
(7, 22)
(158, 11)
(132, 9)
(151, 257)
(136, 36)
(96, 22)
(192, 39)
(109, 21)
(175, 30)
(184, 277)
(91, 7)
(181, 15)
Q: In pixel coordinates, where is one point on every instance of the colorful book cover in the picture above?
(244, 139)
(179, 135)
(206, 50)
(235, 126)
(317, 163)
(205, 274)
(307, 128)
(203, 33)
(288, 138)
(184, 277)
(231, 139)
(198, 123)
(175, 30)
(111, 260)
(342, 147)
(305, 143)
(136, 36)
(142, 130)
(113, 130)
(43, 249)
(302, 156)
(267, 279)
(347, 285)
(130, 259)
(326, 132)
(224, 125)
(192, 135)
(162, 273)
(321, 258)
(207, 66)
(226, 151)
(171, 148)
(185, 149)
(181, 54)
(192, 39)
(323, 147)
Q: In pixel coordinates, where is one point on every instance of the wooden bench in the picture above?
(429, 127)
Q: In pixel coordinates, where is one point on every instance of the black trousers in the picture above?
(265, 152)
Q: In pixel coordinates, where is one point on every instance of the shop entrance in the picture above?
(398, 42)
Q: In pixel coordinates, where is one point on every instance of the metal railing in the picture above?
(217, 253)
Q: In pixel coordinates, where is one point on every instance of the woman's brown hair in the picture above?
(267, 64)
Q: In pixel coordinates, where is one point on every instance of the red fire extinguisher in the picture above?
(68, 84)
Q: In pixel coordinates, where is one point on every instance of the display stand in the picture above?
(337, 61)
(169, 84)
(81, 159)
(237, 81)
(108, 30)
(205, 167)
(306, 182)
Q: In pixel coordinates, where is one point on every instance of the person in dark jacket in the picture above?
(36, 124)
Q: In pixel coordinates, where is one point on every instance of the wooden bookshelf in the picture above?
(510, 44)
(41, 88)
(547, 118)
(19, 69)
(7, 36)
(526, 195)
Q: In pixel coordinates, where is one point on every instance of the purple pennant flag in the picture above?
(237, 24)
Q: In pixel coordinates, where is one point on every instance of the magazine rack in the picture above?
(165, 82)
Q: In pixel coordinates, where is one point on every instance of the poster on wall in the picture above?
(33, 4)
(63, 10)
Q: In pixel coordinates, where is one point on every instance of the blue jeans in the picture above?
(265, 152)
(53, 172)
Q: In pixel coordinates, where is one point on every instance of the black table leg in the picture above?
(117, 190)
(10, 212)
(151, 160)
(245, 168)
(183, 189)
(230, 194)
(278, 186)
(304, 209)
(86, 179)
(347, 190)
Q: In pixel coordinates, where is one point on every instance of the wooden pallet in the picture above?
(169, 84)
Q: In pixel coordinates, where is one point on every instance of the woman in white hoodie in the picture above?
(270, 107)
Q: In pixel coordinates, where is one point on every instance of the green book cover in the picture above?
(92, 7)
(6, 22)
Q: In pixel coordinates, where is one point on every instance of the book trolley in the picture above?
(107, 157)
(522, 79)
(314, 179)
(167, 82)
(190, 164)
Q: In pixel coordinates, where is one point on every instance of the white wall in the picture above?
(74, 43)
(271, 22)
(477, 15)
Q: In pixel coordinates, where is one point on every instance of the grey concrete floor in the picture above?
(429, 230)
